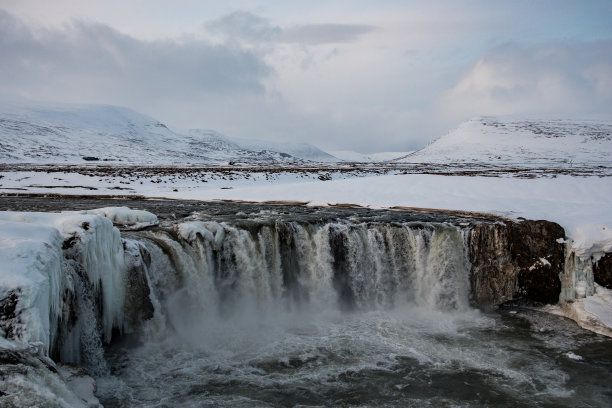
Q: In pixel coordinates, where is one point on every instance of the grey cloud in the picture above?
(245, 26)
(250, 27)
(325, 33)
(95, 62)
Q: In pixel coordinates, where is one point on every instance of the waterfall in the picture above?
(217, 269)
(199, 270)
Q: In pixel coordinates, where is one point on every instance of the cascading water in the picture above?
(339, 313)
(291, 266)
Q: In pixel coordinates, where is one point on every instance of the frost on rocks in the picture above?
(38, 254)
(32, 280)
(30, 379)
(60, 274)
(126, 217)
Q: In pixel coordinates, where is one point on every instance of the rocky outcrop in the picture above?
(493, 275)
(602, 271)
(516, 260)
(538, 249)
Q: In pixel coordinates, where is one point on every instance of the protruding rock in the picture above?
(516, 259)
(539, 257)
(494, 274)
(602, 271)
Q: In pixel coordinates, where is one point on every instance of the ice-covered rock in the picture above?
(29, 379)
(126, 217)
(32, 281)
(43, 259)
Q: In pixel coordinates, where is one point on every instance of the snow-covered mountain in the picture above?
(515, 142)
(74, 133)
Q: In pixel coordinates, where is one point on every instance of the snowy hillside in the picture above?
(75, 133)
(511, 142)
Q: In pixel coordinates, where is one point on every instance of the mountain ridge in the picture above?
(57, 133)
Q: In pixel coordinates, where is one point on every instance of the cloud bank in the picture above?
(253, 28)
(558, 79)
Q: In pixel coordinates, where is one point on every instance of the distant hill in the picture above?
(520, 142)
(304, 151)
(79, 133)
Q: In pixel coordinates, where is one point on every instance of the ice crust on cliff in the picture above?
(32, 262)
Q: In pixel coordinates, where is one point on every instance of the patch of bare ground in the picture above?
(321, 171)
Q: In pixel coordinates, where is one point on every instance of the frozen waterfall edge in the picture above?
(105, 283)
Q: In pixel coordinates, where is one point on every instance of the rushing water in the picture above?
(400, 357)
(339, 314)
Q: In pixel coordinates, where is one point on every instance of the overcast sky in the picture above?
(344, 75)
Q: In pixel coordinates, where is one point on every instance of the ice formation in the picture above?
(126, 217)
(41, 256)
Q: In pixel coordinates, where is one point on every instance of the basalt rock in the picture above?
(494, 274)
(539, 256)
(602, 271)
(516, 260)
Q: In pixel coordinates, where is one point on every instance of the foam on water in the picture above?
(291, 314)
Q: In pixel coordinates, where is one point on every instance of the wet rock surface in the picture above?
(516, 260)
(494, 272)
(602, 271)
(539, 257)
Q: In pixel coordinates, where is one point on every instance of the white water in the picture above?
(290, 266)
(349, 314)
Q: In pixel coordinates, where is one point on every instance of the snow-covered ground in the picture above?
(350, 156)
(304, 151)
